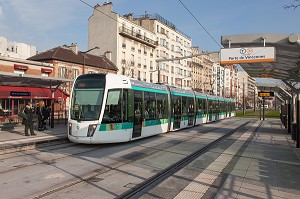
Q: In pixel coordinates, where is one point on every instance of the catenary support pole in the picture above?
(298, 121)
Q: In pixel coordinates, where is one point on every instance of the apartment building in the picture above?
(15, 49)
(247, 86)
(137, 42)
(218, 79)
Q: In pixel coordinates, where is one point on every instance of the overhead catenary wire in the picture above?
(200, 24)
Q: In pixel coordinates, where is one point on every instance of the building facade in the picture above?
(247, 89)
(68, 63)
(14, 98)
(60, 62)
(16, 49)
(137, 42)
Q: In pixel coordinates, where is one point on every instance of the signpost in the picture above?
(247, 55)
(265, 94)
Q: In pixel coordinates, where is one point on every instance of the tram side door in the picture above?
(177, 112)
(137, 122)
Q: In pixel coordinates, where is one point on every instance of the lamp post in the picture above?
(83, 55)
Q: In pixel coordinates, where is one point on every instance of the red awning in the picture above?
(29, 93)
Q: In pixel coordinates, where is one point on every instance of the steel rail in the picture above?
(141, 188)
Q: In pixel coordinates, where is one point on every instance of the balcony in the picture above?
(125, 32)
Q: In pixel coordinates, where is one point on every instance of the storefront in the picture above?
(17, 89)
(14, 98)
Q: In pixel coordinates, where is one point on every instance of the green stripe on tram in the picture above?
(201, 116)
(149, 89)
(155, 122)
(115, 126)
(182, 94)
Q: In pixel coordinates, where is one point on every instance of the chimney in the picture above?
(74, 48)
(107, 54)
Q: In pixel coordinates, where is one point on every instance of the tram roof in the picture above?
(287, 50)
(135, 82)
(14, 79)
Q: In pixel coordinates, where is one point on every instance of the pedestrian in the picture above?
(28, 110)
(41, 112)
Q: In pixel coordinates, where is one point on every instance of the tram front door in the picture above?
(137, 122)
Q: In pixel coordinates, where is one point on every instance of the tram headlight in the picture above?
(91, 130)
(70, 129)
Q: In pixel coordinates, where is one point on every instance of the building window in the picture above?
(62, 72)
(76, 73)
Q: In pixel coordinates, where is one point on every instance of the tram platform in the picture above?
(262, 163)
(14, 139)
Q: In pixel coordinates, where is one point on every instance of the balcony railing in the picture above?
(137, 36)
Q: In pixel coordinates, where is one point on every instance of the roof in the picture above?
(68, 55)
(14, 79)
(287, 54)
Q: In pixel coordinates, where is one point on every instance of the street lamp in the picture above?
(83, 55)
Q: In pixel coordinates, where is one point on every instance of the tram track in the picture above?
(92, 175)
(50, 161)
(43, 149)
(148, 184)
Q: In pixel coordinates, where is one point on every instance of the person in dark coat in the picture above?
(41, 112)
(28, 110)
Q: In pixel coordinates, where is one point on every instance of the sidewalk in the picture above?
(15, 138)
(266, 165)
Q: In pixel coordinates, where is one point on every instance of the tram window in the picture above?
(125, 106)
(162, 105)
(209, 106)
(216, 106)
(112, 112)
(204, 106)
(190, 105)
(150, 106)
(184, 106)
(200, 106)
(176, 106)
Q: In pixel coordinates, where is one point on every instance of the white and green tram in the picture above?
(110, 108)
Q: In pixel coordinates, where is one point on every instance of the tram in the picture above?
(111, 108)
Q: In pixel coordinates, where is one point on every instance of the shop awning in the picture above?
(23, 92)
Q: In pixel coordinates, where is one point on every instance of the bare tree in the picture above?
(294, 5)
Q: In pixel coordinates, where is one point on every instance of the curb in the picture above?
(31, 143)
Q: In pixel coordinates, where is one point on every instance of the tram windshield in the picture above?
(87, 98)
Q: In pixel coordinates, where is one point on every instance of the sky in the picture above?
(50, 23)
